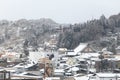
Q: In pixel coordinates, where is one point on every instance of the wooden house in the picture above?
(84, 48)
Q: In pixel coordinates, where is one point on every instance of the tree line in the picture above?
(91, 30)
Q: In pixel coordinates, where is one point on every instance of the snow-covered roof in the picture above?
(88, 55)
(107, 52)
(118, 47)
(29, 65)
(71, 53)
(81, 78)
(74, 68)
(95, 59)
(59, 70)
(108, 74)
(104, 49)
(52, 78)
(25, 65)
(20, 66)
(80, 47)
(79, 58)
(42, 70)
(25, 75)
(117, 57)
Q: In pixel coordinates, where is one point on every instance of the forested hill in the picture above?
(13, 34)
(89, 31)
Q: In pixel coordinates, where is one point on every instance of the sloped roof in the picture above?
(107, 75)
(71, 53)
(25, 75)
(80, 47)
(81, 78)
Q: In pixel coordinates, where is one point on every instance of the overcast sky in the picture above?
(61, 11)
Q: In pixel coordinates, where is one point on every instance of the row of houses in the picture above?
(97, 61)
(79, 62)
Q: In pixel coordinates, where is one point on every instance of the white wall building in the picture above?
(35, 56)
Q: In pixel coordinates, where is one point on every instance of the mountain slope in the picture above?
(15, 33)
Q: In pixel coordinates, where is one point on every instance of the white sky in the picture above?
(61, 11)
